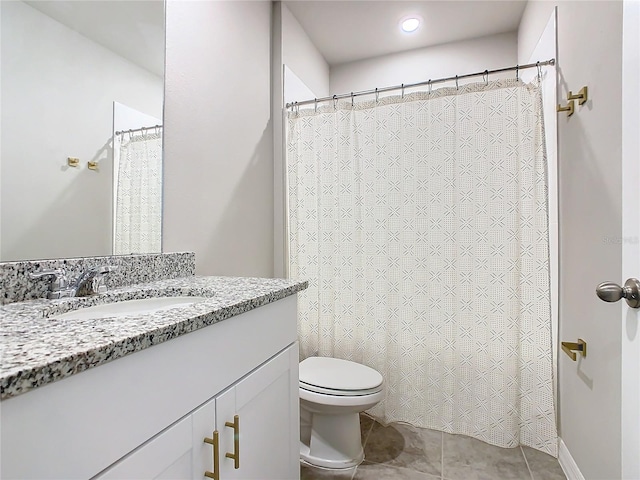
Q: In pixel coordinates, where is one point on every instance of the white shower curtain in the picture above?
(421, 225)
(138, 216)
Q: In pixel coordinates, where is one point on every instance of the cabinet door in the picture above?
(166, 456)
(266, 405)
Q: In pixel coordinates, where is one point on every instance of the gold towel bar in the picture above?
(570, 348)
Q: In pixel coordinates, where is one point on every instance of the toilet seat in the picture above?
(333, 391)
(334, 376)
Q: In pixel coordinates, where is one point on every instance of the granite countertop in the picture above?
(37, 349)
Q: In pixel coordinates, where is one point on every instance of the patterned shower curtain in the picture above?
(138, 216)
(421, 224)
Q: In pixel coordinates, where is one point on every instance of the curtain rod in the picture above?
(142, 129)
(428, 82)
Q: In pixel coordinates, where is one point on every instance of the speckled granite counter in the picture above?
(37, 349)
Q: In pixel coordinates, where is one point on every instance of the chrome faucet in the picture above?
(88, 283)
(92, 281)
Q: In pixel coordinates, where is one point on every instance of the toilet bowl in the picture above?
(333, 392)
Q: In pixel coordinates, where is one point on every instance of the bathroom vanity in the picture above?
(210, 389)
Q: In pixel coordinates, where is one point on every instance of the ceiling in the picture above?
(345, 31)
(133, 29)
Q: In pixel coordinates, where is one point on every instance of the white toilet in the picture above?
(333, 392)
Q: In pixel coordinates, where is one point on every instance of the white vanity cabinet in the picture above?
(147, 415)
(249, 419)
(253, 422)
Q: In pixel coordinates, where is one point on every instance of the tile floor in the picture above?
(402, 452)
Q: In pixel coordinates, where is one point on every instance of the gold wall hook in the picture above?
(569, 108)
(582, 96)
(571, 348)
(93, 165)
(73, 161)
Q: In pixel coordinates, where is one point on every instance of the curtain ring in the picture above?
(315, 101)
(539, 70)
(429, 86)
(456, 82)
(297, 108)
(517, 72)
(351, 99)
(485, 76)
(402, 87)
(377, 97)
(335, 102)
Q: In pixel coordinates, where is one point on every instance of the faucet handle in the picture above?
(59, 275)
(97, 282)
(59, 287)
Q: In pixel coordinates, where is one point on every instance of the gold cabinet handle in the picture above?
(570, 348)
(216, 456)
(236, 441)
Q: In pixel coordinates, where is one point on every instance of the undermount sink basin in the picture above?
(129, 307)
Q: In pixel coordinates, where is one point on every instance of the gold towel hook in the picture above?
(582, 96)
(570, 348)
(569, 108)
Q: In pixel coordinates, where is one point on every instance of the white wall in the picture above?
(58, 89)
(589, 53)
(302, 57)
(292, 48)
(486, 53)
(218, 145)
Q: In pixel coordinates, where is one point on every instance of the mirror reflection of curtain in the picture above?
(139, 194)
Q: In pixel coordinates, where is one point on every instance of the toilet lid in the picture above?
(334, 374)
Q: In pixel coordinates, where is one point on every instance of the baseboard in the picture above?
(568, 464)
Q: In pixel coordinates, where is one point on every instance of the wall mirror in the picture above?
(73, 74)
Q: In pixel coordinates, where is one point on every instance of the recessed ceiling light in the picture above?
(410, 24)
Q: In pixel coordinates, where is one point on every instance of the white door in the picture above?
(264, 410)
(631, 238)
